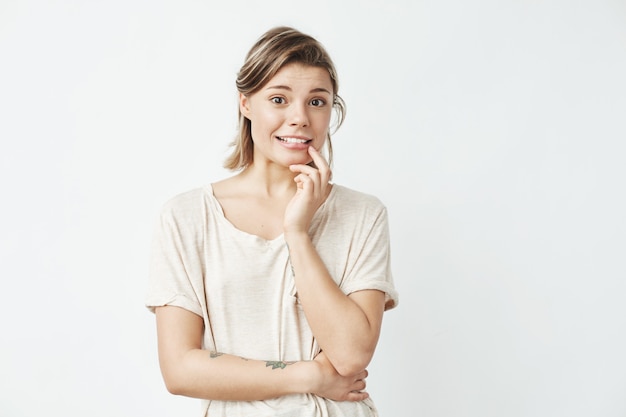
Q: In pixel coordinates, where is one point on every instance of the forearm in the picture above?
(191, 371)
(202, 374)
(342, 328)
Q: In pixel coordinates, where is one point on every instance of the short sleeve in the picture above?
(175, 274)
(371, 269)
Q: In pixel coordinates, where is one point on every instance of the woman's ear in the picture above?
(244, 105)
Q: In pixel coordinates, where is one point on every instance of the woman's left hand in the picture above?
(312, 189)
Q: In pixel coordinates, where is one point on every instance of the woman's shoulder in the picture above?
(186, 202)
(350, 197)
(354, 206)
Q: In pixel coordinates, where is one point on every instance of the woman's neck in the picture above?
(269, 180)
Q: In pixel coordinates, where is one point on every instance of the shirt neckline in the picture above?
(280, 239)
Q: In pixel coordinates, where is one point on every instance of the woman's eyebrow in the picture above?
(320, 90)
(286, 87)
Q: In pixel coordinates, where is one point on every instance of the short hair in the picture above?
(276, 48)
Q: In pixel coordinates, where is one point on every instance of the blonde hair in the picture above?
(275, 49)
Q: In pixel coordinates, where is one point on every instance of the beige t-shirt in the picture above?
(243, 288)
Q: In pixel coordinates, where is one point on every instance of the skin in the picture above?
(284, 193)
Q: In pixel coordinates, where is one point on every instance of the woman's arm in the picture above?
(346, 327)
(191, 371)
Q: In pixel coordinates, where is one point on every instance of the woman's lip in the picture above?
(294, 145)
(286, 138)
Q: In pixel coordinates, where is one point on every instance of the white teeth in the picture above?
(293, 140)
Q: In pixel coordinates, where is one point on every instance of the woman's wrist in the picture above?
(296, 236)
(304, 379)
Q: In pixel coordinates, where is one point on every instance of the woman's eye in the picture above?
(277, 100)
(317, 102)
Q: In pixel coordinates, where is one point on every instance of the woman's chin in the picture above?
(297, 161)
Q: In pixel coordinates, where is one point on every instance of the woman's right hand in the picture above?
(332, 385)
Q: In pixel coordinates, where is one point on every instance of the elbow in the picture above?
(173, 386)
(352, 360)
(353, 364)
(174, 382)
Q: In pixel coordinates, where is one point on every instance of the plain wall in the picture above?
(493, 131)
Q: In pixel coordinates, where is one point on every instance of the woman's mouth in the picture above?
(288, 139)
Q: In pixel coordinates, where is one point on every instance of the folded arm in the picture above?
(191, 371)
(346, 327)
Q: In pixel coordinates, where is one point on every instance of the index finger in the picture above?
(320, 162)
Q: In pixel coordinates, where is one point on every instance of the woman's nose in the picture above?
(298, 115)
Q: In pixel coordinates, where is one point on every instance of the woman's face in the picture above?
(289, 114)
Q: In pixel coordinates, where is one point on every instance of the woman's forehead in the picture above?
(299, 75)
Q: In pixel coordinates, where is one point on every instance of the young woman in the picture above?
(269, 287)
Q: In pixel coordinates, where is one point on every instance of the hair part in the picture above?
(275, 49)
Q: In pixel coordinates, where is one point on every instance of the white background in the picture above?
(493, 131)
